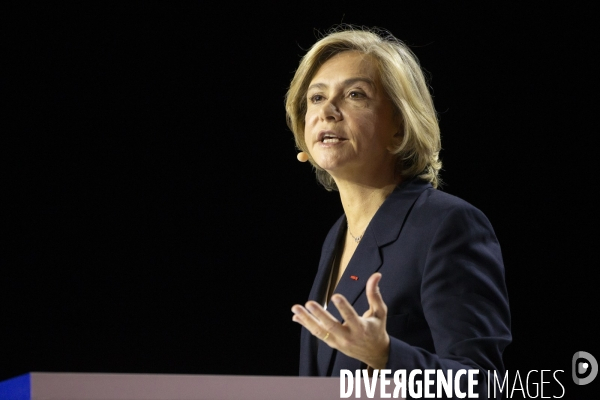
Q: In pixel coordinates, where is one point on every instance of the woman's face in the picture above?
(350, 121)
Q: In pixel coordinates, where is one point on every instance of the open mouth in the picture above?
(331, 138)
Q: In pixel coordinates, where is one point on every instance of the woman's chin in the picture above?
(333, 168)
(331, 163)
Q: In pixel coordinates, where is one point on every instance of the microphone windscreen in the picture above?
(302, 157)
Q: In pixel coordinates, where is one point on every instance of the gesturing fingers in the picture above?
(364, 338)
(351, 318)
(377, 307)
(318, 321)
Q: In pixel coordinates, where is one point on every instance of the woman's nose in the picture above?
(329, 110)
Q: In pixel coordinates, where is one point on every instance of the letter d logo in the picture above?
(583, 367)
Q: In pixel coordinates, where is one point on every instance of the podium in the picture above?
(101, 386)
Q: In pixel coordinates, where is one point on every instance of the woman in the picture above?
(410, 277)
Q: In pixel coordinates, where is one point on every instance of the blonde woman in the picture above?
(410, 277)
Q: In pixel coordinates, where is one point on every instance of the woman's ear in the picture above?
(399, 121)
(397, 117)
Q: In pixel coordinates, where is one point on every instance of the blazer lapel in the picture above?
(384, 228)
(388, 222)
(364, 262)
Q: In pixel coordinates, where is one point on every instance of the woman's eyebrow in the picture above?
(347, 82)
(366, 80)
(317, 86)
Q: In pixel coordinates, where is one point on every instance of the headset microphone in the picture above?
(302, 157)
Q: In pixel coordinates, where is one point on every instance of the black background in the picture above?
(155, 218)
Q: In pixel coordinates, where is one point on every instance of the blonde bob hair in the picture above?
(418, 143)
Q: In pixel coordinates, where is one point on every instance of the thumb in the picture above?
(377, 307)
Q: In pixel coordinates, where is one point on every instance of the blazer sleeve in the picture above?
(464, 300)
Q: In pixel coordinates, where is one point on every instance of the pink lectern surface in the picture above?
(96, 386)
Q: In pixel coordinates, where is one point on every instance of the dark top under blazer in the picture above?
(443, 283)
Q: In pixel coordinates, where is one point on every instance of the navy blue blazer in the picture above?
(442, 281)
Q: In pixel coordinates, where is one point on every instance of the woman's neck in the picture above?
(361, 202)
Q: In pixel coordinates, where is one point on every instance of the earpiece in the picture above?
(302, 157)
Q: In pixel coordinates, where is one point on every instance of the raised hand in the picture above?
(364, 338)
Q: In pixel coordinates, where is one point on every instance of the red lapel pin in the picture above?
(354, 277)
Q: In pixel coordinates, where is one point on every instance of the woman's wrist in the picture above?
(381, 361)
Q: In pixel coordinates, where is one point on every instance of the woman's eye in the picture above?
(316, 98)
(356, 95)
